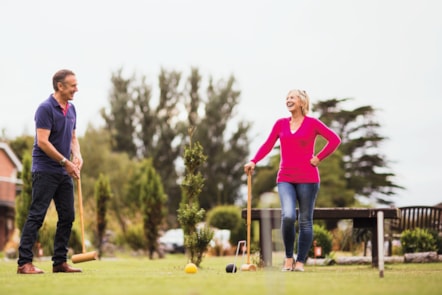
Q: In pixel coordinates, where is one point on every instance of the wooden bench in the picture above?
(418, 217)
(411, 217)
(270, 218)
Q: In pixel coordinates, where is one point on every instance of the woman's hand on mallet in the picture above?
(249, 167)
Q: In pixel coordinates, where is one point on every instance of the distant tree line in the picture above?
(144, 127)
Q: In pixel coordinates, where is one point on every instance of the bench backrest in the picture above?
(418, 217)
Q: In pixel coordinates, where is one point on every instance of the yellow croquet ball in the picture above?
(190, 268)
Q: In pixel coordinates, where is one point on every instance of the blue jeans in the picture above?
(305, 195)
(45, 188)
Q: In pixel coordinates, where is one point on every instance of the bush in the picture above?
(323, 239)
(438, 239)
(418, 240)
(228, 217)
(344, 238)
(135, 237)
(75, 240)
(197, 243)
(46, 236)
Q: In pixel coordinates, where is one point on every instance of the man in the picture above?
(56, 159)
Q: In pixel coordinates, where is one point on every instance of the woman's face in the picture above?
(293, 102)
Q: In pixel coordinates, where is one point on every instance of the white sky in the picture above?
(383, 53)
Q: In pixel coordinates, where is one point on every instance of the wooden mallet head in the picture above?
(83, 257)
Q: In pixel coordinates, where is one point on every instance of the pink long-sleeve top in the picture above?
(297, 148)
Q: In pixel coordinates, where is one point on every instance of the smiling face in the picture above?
(297, 101)
(68, 87)
(292, 101)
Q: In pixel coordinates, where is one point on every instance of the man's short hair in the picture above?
(60, 76)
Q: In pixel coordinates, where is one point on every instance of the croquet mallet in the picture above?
(84, 256)
(248, 266)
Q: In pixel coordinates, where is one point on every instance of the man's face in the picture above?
(68, 88)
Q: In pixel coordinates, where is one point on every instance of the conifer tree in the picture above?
(102, 196)
(146, 186)
(190, 214)
(23, 201)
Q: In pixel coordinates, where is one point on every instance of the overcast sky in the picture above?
(383, 53)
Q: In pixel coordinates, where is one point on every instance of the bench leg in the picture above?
(371, 224)
(374, 247)
(265, 241)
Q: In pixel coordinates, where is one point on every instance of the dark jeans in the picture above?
(305, 195)
(45, 188)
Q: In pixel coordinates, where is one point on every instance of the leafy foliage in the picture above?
(119, 121)
(22, 145)
(119, 168)
(196, 244)
(417, 240)
(196, 240)
(228, 217)
(135, 237)
(157, 131)
(23, 201)
(147, 188)
(223, 169)
(438, 239)
(366, 169)
(323, 239)
(102, 196)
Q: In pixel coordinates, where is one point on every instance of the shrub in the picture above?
(344, 238)
(228, 217)
(323, 239)
(75, 240)
(438, 239)
(418, 240)
(135, 237)
(46, 237)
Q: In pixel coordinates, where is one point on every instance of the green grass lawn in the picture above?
(128, 276)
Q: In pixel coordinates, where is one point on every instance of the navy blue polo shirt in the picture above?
(49, 115)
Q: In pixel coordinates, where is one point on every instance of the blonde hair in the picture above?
(305, 100)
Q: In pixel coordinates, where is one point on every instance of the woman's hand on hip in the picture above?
(315, 161)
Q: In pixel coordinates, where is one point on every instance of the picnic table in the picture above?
(270, 218)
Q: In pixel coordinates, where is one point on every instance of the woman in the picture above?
(298, 175)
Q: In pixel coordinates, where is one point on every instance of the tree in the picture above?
(366, 169)
(160, 131)
(226, 152)
(21, 145)
(146, 187)
(167, 148)
(145, 131)
(145, 119)
(120, 119)
(23, 202)
(334, 191)
(102, 196)
(190, 214)
(100, 159)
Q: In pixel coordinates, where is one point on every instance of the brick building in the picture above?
(10, 165)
